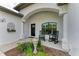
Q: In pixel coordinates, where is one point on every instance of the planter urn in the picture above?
(35, 42)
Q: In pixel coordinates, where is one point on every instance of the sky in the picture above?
(9, 5)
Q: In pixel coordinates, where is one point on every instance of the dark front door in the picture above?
(32, 29)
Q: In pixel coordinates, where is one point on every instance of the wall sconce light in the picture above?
(2, 19)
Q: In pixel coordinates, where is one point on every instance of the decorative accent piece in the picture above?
(11, 27)
(2, 19)
(35, 42)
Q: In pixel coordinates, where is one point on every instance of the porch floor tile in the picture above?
(52, 45)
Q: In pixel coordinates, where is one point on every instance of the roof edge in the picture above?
(4, 9)
(60, 4)
(22, 5)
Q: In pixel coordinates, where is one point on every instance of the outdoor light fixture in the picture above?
(2, 19)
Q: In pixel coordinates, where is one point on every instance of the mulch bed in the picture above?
(49, 51)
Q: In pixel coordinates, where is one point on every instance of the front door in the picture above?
(32, 29)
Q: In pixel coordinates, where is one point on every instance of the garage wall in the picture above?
(8, 37)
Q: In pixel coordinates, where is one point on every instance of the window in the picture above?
(49, 27)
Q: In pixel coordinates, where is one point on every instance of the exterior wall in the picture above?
(73, 28)
(42, 17)
(8, 37)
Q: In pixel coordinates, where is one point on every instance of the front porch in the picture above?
(40, 17)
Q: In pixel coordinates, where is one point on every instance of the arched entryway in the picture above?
(40, 16)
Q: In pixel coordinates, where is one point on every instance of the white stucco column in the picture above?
(21, 36)
(65, 40)
(22, 31)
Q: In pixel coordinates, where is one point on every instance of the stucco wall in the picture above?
(73, 28)
(42, 17)
(8, 37)
(36, 6)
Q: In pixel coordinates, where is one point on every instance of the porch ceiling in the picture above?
(39, 10)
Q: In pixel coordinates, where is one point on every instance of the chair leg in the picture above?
(44, 39)
(56, 41)
(50, 40)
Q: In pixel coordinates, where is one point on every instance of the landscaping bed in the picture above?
(49, 51)
(27, 49)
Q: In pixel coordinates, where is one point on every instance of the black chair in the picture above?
(54, 36)
(41, 36)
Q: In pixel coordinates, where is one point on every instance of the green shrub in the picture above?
(39, 44)
(27, 48)
(21, 46)
(41, 53)
(40, 49)
(24, 46)
(29, 51)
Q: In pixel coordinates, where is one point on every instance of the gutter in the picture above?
(4, 9)
(22, 5)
